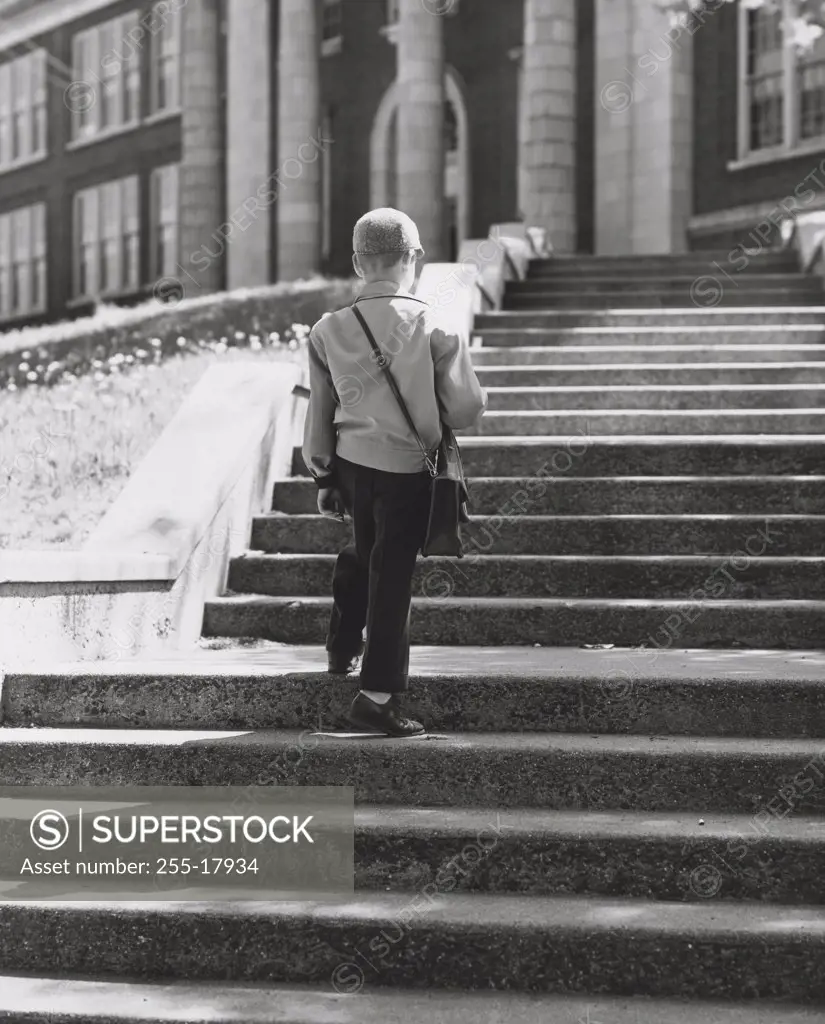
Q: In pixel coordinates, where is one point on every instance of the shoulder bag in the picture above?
(449, 497)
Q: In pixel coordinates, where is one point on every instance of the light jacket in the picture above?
(353, 412)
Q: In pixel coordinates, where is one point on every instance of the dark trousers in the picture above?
(372, 583)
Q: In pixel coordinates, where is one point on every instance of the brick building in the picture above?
(215, 143)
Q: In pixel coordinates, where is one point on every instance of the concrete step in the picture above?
(806, 395)
(586, 454)
(651, 422)
(573, 535)
(24, 1000)
(592, 496)
(551, 771)
(567, 853)
(513, 943)
(600, 280)
(554, 622)
(757, 257)
(652, 267)
(453, 689)
(542, 576)
(788, 336)
(739, 375)
(627, 854)
(644, 269)
(676, 298)
(688, 316)
(579, 356)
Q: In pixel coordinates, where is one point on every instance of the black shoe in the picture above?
(342, 664)
(385, 718)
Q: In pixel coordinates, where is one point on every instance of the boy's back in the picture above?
(432, 367)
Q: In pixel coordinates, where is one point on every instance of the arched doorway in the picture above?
(383, 148)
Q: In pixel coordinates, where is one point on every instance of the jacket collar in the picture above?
(384, 288)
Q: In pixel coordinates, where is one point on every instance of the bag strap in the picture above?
(391, 295)
(382, 361)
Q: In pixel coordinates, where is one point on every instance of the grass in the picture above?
(66, 452)
(81, 403)
(68, 448)
(56, 353)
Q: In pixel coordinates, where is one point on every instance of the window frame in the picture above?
(792, 143)
(157, 56)
(126, 76)
(28, 256)
(30, 105)
(89, 235)
(156, 221)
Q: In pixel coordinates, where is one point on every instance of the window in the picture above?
(106, 238)
(165, 26)
(23, 261)
(332, 26)
(165, 220)
(765, 78)
(810, 74)
(23, 109)
(106, 59)
(782, 87)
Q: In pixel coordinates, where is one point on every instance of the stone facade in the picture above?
(249, 150)
(593, 118)
(202, 246)
(300, 146)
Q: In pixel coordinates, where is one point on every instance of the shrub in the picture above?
(244, 318)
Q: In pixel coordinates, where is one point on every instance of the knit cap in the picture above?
(385, 230)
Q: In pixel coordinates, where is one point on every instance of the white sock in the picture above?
(376, 696)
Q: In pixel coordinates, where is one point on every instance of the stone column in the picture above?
(547, 120)
(420, 148)
(613, 168)
(249, 149)
(644, 133)
(201, 179)
(298, 166)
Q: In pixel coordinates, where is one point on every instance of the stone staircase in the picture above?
(609, 836)
(632, 465)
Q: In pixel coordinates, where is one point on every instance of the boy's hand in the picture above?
(331, 503)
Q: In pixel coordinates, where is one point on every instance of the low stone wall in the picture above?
(139, 586)
(806, 233)
(476, 282)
